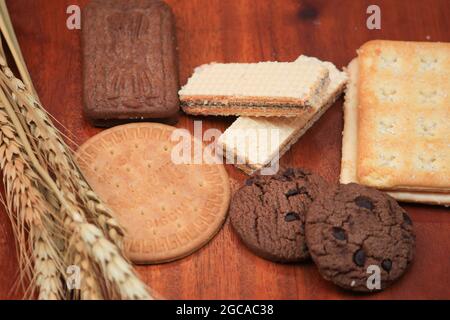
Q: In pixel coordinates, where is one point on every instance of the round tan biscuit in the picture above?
(168, 210)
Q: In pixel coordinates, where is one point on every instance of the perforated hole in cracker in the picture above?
(429, 96)
(387, 94)
(388, 159)
(386, 126)
(426, 127)
(388, 61)
(426, 162)
(428, 63)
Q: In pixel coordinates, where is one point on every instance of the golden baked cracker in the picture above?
(404, 116)
(350, 142)
(169, 210)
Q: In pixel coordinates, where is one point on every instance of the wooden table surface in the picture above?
(246, 31)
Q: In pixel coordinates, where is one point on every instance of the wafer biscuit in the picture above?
(404, 116)
(255, 89)
(239, 139)
(169, 210)
(349, 146)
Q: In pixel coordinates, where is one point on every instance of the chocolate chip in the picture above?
(364, 202)
(291, 216)
(386, 264)
(292, 192)
(249, 182)
(359, 258)
(339, 233)
(407, 219)
(289, 172)
(283, 178)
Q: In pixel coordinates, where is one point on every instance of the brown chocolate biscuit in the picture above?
(353, 230)
(129, 61)
(268, 213)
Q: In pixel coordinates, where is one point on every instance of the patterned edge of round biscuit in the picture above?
(213, 228)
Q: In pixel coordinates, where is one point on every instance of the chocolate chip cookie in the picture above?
(355, 232)
(268, 213)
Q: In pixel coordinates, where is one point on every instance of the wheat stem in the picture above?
(11, 39)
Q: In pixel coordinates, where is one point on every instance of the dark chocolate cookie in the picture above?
(268, 213)
(355, 232)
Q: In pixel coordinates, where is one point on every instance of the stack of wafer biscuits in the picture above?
(289, 129)
(271, 97)
(397, 120)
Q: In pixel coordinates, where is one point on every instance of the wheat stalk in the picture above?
(114, 267)
(58, 157)
(92, 236)
(26, 207)
(100, 212)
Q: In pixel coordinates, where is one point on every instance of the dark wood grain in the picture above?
(246, 30)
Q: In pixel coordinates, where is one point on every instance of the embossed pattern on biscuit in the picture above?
(129, 60)
(168, 209)
(129, 81)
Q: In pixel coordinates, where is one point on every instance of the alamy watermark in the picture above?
(73, 279)
(374, 280)
(73, 22)
(250, 146)
(374, 20)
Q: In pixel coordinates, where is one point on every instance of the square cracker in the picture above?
(404, 116)
(350, 142)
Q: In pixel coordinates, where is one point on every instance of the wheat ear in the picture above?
(48, 277)
(90, 287)
(26, 207)
(59, 158)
